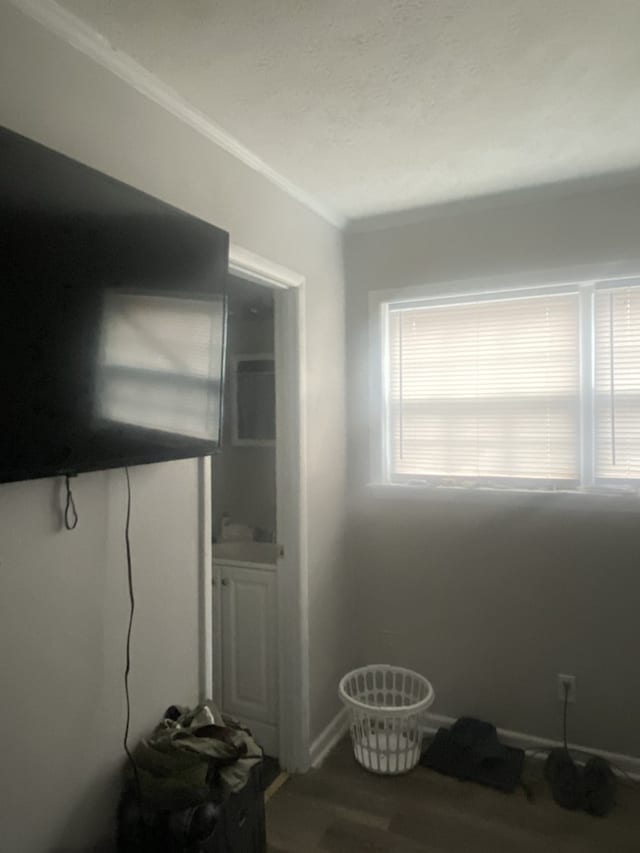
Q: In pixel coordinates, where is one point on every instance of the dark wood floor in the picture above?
(343, 809)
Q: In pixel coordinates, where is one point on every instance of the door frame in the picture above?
(291, 513)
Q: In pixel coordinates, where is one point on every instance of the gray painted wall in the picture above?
(63, 622)
(244, 478)
(492, 599)
(63, 596)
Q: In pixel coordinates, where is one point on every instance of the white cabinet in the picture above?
(248, 614)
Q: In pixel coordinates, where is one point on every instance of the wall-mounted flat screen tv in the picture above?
(112, 321)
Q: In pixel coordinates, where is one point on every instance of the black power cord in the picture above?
(567, 689)
(127, 671)
(630, 779)
(70, 512)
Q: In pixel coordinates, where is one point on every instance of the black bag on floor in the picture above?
(237, 824)
(470, 750)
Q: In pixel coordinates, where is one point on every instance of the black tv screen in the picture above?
(112, 321)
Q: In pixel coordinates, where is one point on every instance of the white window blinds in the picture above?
(486, 390)
(157, 366)
(617, 383)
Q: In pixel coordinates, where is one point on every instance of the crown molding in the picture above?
(88, 41)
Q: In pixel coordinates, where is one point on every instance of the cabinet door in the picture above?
(249, 665)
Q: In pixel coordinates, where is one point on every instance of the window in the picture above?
(536, 388)
(617, 383)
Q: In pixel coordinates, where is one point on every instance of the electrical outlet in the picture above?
(570, 682)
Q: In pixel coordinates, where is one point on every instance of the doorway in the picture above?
(245, 547)
(257, 605)
(244, 471)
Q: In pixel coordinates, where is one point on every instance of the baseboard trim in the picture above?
(329, 737)
(629, 764)
(275, 786)
(339, 725)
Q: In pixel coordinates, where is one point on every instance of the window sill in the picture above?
(593, 499)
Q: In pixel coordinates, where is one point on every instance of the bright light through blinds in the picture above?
(485, 390)
(617, 382)
(157, 366)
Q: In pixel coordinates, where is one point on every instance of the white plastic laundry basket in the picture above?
(386, 703)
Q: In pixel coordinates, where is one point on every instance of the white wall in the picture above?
(63, 598)
(63, 622)
(493, 600)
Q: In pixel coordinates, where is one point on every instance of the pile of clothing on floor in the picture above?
(471, 750)
(189, 752)
(181, 777)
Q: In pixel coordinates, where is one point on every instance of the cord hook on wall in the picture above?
(70, 512)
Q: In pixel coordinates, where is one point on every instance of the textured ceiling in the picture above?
(375, 106)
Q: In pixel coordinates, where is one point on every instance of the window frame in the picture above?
(586, 284)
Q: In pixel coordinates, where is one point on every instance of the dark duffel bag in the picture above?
(236, 825)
